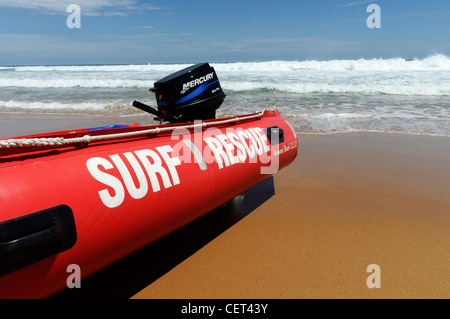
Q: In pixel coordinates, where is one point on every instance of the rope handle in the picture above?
(60, 141)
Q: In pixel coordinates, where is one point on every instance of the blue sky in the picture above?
(174, 31)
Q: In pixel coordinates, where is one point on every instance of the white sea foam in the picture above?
(428, 76)
(104, 68)
(434, 62)
(74, 83)
(415, 88)
(431, 63)
(393, 95)
(90, 105)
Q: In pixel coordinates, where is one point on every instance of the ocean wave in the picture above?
(324, 114)
(435, 62)
(104, 68)
(431, 63)
(354, 88)
(400, 95)
(7, 68)
(73, 83)
(427, 76)
(88, 106)
(251, 87)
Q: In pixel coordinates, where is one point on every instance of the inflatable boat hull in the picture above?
(92, 204)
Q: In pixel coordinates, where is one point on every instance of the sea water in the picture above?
(383, 95)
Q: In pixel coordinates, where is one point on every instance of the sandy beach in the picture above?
(19, 124)
(348, 201)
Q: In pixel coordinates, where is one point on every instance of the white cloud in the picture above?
(88, 7)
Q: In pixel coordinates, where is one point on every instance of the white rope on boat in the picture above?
(60, 141)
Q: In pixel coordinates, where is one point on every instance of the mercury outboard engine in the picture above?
(193, 93)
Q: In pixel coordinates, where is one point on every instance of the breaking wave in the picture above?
(399, 95)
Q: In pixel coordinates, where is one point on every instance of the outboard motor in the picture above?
(193, 93)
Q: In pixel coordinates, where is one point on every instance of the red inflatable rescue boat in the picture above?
(87, 198)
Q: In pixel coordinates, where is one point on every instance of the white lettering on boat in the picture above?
(152, 164)
(236, 146)
(135, 173)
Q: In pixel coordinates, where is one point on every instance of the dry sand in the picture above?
(348, 201)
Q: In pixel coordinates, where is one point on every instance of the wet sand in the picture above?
(348, 201)
(19, 124)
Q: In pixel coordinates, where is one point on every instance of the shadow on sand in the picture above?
(133, 273)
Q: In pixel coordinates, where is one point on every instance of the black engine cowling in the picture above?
(193, 93)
